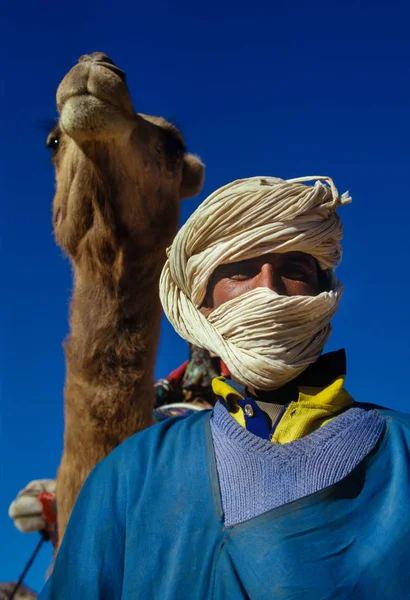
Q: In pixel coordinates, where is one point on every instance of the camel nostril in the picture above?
(96, 57)
(105, 61)
(112, 67)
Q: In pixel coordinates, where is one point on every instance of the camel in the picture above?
(120, 176)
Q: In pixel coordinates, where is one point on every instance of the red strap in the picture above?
(178, 373)
(47, 500)
(224, 369)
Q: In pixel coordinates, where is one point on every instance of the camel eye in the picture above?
(53, 142)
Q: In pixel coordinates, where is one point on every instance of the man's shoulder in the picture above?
(395, 418)
(171, 449)
(165, 431)
(390, 413)
(142, 451)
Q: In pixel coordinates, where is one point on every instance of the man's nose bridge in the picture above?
(267, 277)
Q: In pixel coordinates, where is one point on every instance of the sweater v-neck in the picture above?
(256, 476)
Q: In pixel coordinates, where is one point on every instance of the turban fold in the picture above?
(264, 338)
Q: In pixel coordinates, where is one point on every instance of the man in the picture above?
(287, 488)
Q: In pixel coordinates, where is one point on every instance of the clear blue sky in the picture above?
(273, 88)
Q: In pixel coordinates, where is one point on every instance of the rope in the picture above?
(44, 538)
(264, 339)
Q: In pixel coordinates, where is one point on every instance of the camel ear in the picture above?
(193, 174)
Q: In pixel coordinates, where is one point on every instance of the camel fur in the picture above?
(120, 176)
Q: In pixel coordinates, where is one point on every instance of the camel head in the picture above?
(120, 175)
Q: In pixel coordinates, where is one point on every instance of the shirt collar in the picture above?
(322, 373)
(310, 400)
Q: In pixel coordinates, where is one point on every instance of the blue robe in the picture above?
(148, 525)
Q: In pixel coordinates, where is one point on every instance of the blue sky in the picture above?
(271, 88)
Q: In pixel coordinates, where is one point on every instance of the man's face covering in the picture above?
(265, 338)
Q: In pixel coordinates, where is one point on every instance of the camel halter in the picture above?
(265, 339)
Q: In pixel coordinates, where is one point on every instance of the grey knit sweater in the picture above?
(256, 475)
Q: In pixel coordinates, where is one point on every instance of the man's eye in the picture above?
(243, 274)
(239, 277)
(295, 272)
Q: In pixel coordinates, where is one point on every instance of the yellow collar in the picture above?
(314, 407)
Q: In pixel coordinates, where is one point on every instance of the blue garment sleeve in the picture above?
(90, 562)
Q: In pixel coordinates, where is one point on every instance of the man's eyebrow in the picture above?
(300, 258)
(234, 265)
(305, 259)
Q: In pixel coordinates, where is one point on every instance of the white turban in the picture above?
(264, 338)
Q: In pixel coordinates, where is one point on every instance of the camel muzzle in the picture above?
(105, 61)
(93, 98)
